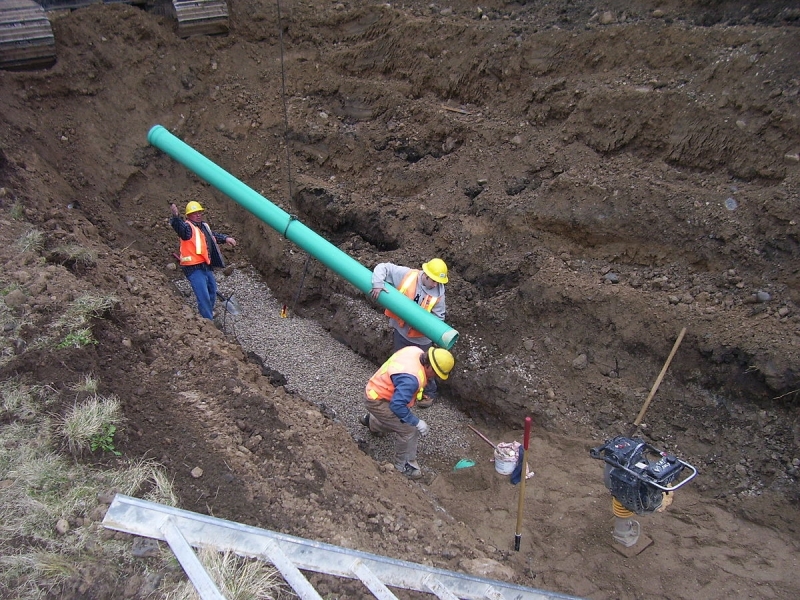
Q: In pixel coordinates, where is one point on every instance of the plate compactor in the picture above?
(638, 477)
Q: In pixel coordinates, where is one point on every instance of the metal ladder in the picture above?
(183, 530)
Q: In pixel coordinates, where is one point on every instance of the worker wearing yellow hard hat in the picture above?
(394, 390)
(425, 286)
(199, 254)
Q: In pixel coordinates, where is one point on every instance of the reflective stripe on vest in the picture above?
(194, 250)
(409, 287)
(406, 360)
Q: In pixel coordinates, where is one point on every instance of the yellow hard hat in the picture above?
(193, 207)
(436, 270)
(442, 361)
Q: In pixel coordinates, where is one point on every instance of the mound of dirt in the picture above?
(597, 178)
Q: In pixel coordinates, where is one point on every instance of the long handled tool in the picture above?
(652, 393)
(483, 437)
(521, 503)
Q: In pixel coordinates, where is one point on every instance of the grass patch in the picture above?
(76, 320)
(77, 339)
(91, 425)
(42, 488)
(87, 384)
(22, 402)
(237, 578)
(73, 256)
(17, 211)
(31, 241)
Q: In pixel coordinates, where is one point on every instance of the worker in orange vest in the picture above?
(199, 254)
(393, 391)
(424, 286)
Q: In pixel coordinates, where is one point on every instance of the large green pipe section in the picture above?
(420, 319)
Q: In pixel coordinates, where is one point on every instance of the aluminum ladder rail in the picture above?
(183, 530)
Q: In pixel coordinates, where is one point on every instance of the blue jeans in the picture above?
(204, 286)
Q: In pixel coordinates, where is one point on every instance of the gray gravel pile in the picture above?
(326, 372)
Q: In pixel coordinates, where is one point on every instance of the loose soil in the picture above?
(597, 177)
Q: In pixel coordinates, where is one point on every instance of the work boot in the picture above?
(364, 420)
(411, 471)
(425, 402)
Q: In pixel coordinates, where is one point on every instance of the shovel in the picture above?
(231, 305)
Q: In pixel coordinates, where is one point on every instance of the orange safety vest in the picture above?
(406, 360)
(409, 287)
(194, 250)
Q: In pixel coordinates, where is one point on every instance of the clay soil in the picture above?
(597, 177)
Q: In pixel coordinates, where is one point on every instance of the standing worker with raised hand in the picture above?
(426, 288)
(199, 254)
(391, 394)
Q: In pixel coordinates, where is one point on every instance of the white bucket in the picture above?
(505, 457)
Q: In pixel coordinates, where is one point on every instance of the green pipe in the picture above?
(420, 319)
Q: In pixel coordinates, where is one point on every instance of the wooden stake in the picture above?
(521, 503)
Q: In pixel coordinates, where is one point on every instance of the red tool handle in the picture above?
(521, 502)
(527, 437)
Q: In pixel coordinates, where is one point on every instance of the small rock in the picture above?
(607, 18)
(144, 547)
(611, 277)
(150, 585)
(197, 472)
(762, 296)
(106, 497)
(15, 298)
(62, 526)
(580, 362)
(487, 567)
(98, 513)
(132, 586)
(253, 442)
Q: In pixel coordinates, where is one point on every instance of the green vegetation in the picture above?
(49, 527)
(31, 241)
(87, 384)
(76, 321)
(91, 425)
(77, 339)
(73, 255)
(18, 211)
(105, 441)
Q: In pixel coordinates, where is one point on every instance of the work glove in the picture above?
(422, 427)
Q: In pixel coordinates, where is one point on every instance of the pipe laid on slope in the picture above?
(420, 319)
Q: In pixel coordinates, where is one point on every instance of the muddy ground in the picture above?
(597, 177)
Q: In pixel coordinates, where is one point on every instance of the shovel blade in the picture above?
(231, 306)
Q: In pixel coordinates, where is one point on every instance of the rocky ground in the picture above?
(597, 177)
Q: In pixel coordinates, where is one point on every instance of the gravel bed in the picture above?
(326, 372)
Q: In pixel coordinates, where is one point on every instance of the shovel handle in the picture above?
(483, 437)
(652, 393)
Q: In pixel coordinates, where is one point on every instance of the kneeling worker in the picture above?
(391, 393)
